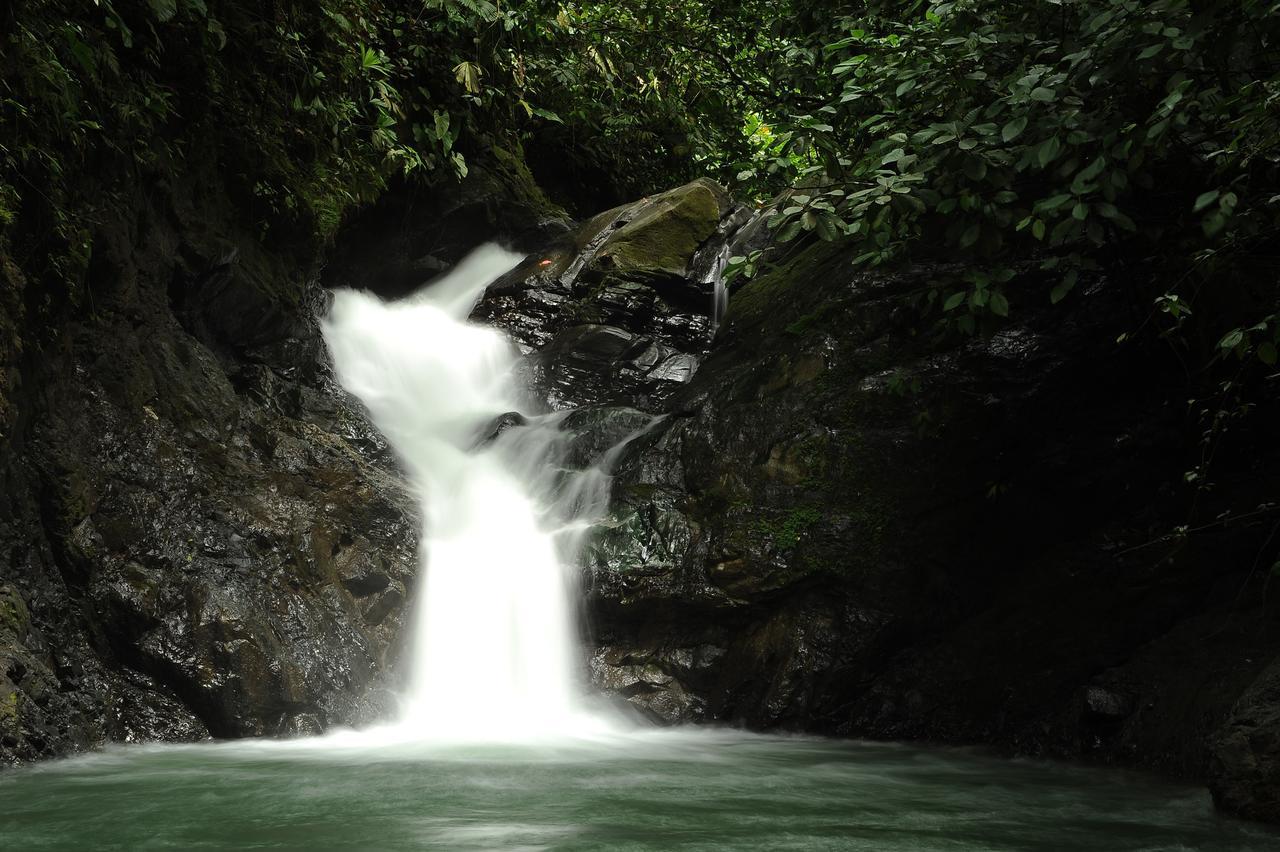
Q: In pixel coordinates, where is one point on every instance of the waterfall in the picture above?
(494, 652)
(720, 293)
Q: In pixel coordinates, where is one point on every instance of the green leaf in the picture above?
(1048, 151)
(1092, 170)
(468, 74)
(548, 115)
(1267, 353)
(1037, 228)
(1053, 202)
(1205, 199)
(219, 34)
(164, 10)
(1063, 231)
(1014, 129)
(830, 228)
(1231, 339)
(999, 304)
(1063, 287)
(953, 301)
(1040, 93)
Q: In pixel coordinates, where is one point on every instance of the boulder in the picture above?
(1244, 768)
(613, 312)
(665, 231)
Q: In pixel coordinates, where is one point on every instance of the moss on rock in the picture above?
(14, 616)
(667, 230)
(515, 179)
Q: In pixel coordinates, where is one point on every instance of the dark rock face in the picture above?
(843, 525)
(202, 535)
(1244, 771)
(414, 234)
(861, 531)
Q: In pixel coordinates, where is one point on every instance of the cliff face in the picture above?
(837, 522)
(843, 524)
(202, 536)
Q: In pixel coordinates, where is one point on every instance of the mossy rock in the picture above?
(666, 231)
(14, 616)
(8, 711)
(512, 173)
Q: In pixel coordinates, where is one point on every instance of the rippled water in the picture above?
(689, 790)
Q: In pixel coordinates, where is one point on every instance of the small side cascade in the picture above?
(732, 237)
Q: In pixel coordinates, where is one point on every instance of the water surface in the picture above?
(649, 791)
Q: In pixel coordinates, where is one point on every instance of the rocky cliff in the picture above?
(846, 524)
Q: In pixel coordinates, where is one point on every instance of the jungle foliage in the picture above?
(307, 108)
(1042, 144)
(1045, 146)
(1064, 133)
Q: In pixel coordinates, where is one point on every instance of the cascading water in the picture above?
(494, 651)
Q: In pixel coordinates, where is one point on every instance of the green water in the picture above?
(685, 790)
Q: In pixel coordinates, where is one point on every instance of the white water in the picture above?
(720, 290)
(494, 653)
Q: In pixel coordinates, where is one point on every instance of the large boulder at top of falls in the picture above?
(619, 311)
(662, 235)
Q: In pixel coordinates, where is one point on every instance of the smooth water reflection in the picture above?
(699, 790)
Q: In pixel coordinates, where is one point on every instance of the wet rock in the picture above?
(499, 425)
(414, 233)
(1102, 705)
(642, 681)
(388, 602)
(613, 312)
(1244, 766)
(594, 430)
(592, 364)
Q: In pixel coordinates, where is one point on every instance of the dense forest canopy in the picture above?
(1043, 143)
